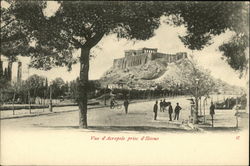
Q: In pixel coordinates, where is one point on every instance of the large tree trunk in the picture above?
(83, 84)
(84, 77)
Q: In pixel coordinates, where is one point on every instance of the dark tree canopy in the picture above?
(204, 20)
(236, 53)
(58, 87)
(14, 37)
(83, 24)
(36, 85)
(76, 22)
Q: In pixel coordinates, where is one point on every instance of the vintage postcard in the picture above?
(124, 83)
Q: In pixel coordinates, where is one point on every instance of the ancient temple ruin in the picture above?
(6, 71)
(142, 56)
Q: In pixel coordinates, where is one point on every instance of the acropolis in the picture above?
(142, 56)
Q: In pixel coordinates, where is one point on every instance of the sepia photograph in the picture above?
(124, 82)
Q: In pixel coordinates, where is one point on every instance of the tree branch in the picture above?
(14, 37)
(7, 23)
(94, 40)
(86, 34)
(76, 42)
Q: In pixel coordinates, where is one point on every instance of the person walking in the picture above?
(155, 109)
(126, 103)
(161, 106)
(112, 103)
(170, 111)
(212, 108)
(177, 111)
(164, 105)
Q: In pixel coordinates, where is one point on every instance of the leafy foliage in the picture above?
(58, 87)
(14, 37)
(82, 24)
(236, 53)
(195, 79)
(204, 20)
(36, 85)
(17, 39)
(3, 83)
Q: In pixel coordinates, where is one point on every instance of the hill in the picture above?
(159, 73)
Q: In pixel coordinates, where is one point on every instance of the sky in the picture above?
(165, 39)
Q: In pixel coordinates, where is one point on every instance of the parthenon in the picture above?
(142, 56)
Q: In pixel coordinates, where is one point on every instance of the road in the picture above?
(140, 117)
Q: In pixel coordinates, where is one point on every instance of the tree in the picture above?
(94, 85)
(58, 87)
(197, 81)
(235, 52)
(204, 20)
(15, 40)
(3, 82)
(81, 25)
(14, 37)
(36, 85)
(3, 85)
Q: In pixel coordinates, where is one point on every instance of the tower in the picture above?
(19, 72)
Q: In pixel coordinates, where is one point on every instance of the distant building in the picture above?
(142, 56)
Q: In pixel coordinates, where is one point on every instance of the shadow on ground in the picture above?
(119, 128)
(132, 113)
(221, 129)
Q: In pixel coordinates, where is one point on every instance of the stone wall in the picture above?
(131, 61)
(172, 57)
(157, 55)
(136, 60)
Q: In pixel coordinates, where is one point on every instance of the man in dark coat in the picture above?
(177, 111)
(155, 109)
(126, 103)
(112, 103)
(164, 105)
(212, 108)
(170, 111)
(161, 106)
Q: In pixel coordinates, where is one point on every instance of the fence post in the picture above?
(29, 102)
(50, 99)
(13, 108)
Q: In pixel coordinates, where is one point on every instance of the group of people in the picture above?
(163, 106)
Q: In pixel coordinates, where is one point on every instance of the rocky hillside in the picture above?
(158, 72)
